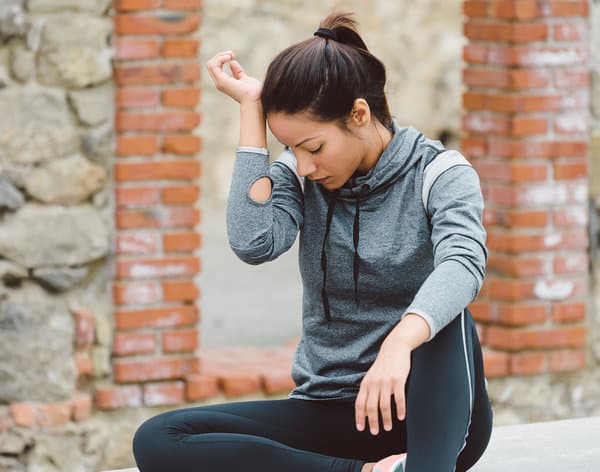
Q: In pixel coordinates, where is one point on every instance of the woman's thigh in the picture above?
(480, 428)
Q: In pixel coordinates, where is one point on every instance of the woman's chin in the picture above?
(330, 184)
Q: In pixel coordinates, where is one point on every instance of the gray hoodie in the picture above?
(369, 253)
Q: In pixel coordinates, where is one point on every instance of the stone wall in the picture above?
(55, 229)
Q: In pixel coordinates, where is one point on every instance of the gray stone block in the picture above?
(36, 346)
(45, 235)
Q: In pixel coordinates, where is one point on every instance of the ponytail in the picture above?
(324, 74)
(344, 26)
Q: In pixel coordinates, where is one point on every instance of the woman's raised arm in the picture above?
(246, 91)
(265, 205)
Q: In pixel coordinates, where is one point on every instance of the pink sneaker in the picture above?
(395, 463)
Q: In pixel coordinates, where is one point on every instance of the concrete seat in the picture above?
(567, 445)
(134, 469)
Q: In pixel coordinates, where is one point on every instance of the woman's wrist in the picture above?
(249, 101)
(410, 333)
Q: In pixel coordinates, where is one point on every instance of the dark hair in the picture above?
(324, 76)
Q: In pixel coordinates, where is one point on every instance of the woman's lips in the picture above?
(321, 181)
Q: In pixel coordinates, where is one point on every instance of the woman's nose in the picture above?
(306, 166)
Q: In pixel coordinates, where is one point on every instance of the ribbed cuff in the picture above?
(255, 150)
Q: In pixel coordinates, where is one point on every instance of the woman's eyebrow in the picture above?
(303, 141)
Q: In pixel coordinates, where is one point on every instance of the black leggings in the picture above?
(447, 427)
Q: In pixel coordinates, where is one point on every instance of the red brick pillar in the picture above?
(157, 91)
(526, 131)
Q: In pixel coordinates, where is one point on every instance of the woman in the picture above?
(388, 372)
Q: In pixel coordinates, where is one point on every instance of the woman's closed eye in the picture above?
(316, 151)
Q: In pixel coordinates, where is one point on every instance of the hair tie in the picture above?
(326, 33)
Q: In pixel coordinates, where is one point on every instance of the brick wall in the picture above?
(526, 130)
(156, 173)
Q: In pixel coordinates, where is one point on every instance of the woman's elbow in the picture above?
(250, 254)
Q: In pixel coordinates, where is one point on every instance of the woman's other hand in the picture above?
(386, 377)
(239, 86)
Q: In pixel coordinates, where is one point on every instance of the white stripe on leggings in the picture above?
(464, 339)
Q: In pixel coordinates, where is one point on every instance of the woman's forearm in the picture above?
(253, 133)
(253, 128)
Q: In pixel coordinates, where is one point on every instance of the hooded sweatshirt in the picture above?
(369, 252)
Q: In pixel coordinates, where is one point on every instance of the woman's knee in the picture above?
(158, 430)
(477, 441)
(149, 438)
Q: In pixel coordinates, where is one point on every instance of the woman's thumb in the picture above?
(236, 69)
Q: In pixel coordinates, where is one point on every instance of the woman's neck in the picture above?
(379, 137)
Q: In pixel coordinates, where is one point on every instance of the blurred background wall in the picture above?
(56, 150)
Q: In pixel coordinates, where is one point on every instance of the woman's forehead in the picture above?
(294, 129)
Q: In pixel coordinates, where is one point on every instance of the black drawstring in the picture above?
(364, 190)
(356, 235)
(356, 264)
(324, 296)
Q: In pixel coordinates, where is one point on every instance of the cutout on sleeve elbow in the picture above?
(260, 190)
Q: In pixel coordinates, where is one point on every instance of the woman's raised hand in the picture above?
(238, 85)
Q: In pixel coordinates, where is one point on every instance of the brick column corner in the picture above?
(526, 131)
(156, 73)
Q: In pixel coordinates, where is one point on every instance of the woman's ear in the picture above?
(361, 113)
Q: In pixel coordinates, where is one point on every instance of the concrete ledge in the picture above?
(135, 469)
(569, 445)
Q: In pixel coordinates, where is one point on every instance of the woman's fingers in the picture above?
(375, 397)
(360, 408)
(373, 410)
(385, 402)
(237, 70)
(237, 85)
(215, 66)
(400, 400)
(366, 407)
(219, 59)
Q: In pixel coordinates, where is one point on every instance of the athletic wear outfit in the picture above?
(405, 237)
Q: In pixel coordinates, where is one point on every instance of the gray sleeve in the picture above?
(261, 231)
(458, 236)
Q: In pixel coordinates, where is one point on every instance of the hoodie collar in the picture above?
(395, 160)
